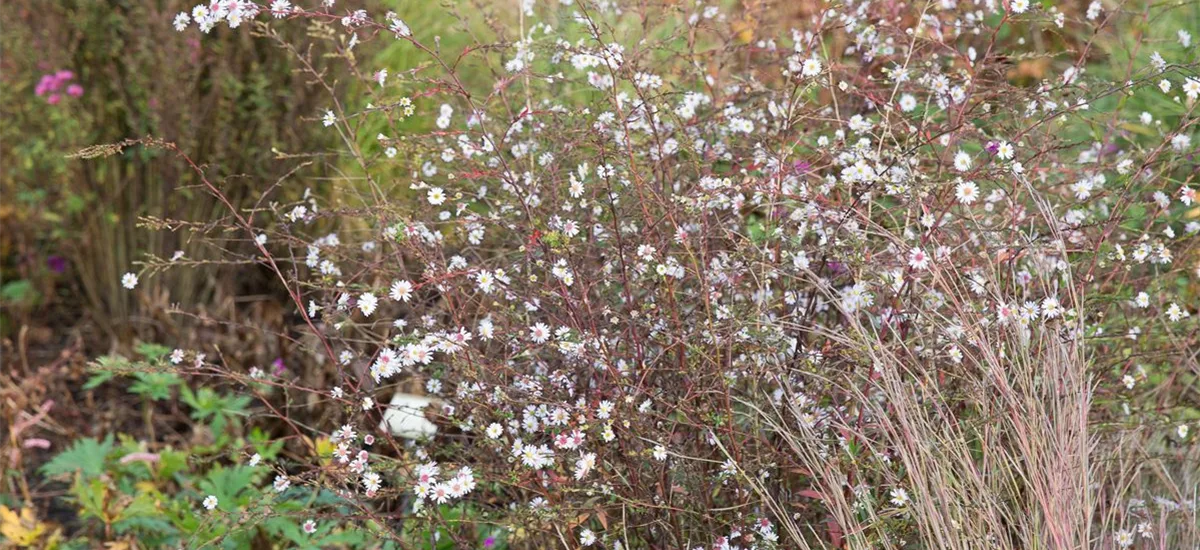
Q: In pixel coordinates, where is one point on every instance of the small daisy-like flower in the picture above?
(908, 103)
(587, 537)
(255, 459)
(1182, 431)
(486, 329)
(811, 67)
(900, 497)
(210, 502)
(436, 196)
(586, 462)
(329, 119)
(1051, 308)
(401, 291)
(1142, 300)
(1187, 195)
(1005, 150)
(604, 410)
(962, 161)
(1191, 87)
(280, 8)
(539, 333)
(966, 192)
(367, 303)
(310, 527)
(1019, 6)
(1175, 313)
(660, 453)
(1123, 538)
(1165, 86)
(918, 259)
(129, 281)
(495, 430)
(281, 484)
(181, 21)
(371, 481)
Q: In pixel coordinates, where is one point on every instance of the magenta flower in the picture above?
(46, 84)
(50, 84)
(56, 263)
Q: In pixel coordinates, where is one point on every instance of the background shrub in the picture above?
(73, 228)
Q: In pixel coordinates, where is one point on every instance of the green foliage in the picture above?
(154, 385)
(119, 488)
(20, 291)
(85, 456)
(217, 409)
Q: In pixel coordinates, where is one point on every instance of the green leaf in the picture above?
(170, 462)
(86, 455)
(92, 496)
(19, 291)
(227, 484)
(151, 351)
(155, 385)
(97, 379)
(110, 364)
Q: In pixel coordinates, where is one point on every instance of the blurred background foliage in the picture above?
(70, 227)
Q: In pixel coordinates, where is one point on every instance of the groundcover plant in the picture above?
(675, 275)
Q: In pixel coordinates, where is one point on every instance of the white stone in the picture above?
(405, 417)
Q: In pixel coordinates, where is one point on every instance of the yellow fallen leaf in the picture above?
(21, 529)
(324, 448)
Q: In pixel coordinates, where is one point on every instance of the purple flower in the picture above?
(45, 85)
(801, 166)
(52, 83)
(992, 147)
(56, 263)
(279, 366)
(489, 542)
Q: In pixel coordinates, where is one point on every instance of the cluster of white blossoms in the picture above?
(429, 489)
(605, 254)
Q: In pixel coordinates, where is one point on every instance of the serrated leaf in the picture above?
(155, 385)
(86, 455)
(151, 351)
(98, 379)
(227, 484)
